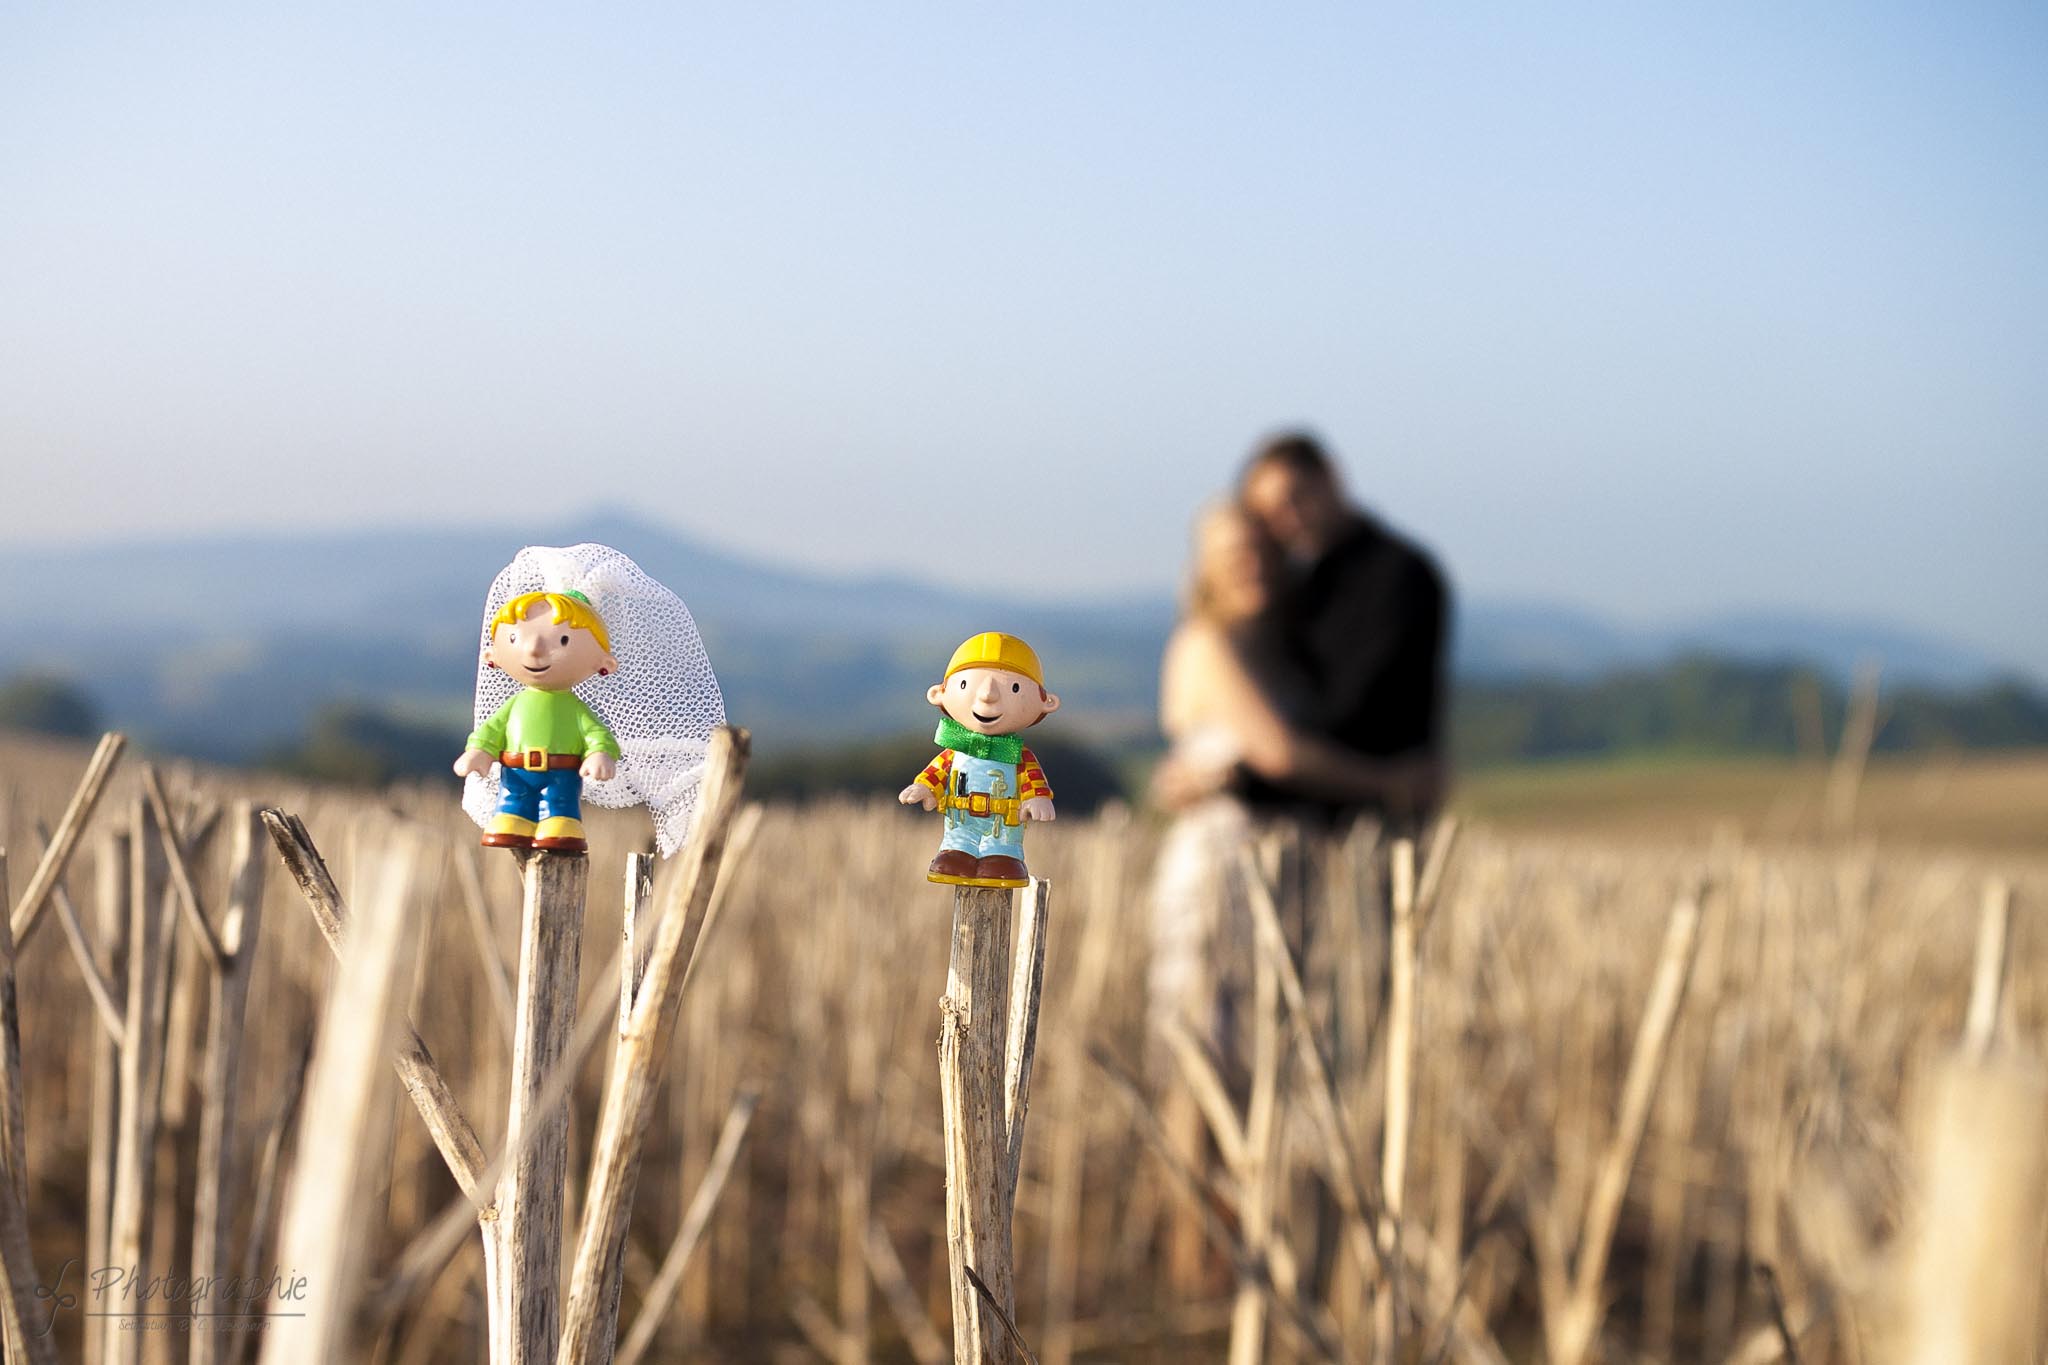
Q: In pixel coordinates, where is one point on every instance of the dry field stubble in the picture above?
(1550, 1208)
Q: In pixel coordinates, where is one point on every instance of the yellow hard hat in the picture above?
(993, 649)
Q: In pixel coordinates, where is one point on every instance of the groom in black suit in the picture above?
(1365, 615)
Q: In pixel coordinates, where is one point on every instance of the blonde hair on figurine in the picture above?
(571, 609)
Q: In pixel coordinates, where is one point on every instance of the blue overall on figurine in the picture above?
(984, 780)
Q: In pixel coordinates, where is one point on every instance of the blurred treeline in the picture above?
(1708, 705)
(1695, 706)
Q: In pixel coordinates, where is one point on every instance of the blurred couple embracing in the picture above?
(1301, 692)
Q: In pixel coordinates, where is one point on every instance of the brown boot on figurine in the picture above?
(1001, 871)
(952, 865)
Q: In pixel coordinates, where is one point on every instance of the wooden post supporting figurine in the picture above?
(531, 1189)
(988, 1036)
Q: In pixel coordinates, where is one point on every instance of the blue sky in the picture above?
(1649, 310)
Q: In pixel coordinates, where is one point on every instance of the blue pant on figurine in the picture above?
(542, 807)
(983, 836)
(543, 794)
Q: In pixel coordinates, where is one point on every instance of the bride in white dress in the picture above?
(1231, 705)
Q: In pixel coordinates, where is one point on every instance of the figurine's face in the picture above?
(548, 654)
(993, 701)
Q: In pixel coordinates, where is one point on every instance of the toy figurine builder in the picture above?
(546, 737)
(984, 779)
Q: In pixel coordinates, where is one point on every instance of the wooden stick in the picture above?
(1066, 1164)
(1859, 732)
(477, 914)
(1972, 1283)
(326, 1224)
(1400, 1092)
(141, 1064)
(181, 868)
(814, 1322)
(661, 1293)
(633, 957)
(531, 1190)
(1027, 978)
(213, 1205)
(1309, 1326)
(264, 1208)
(1573, 1325)
(746, 822)
(971, 1030)
(1471, 1336)
(1009, 1326)
(428, 1252)
(111, 911)
(1987, 979)
(18, 1310)
(590, 1326)
(98, 987)
(887, 1268)
(1198, 1071)
(1256, 1181)
(58, 854)
(1433, 868)
(1786, 1336)
(450, 1129)
(1341, 1165)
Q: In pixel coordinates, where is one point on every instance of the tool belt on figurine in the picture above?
(982, 803)
(539, 758)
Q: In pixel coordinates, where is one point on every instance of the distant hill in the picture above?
(226, 646)
(1511, 640)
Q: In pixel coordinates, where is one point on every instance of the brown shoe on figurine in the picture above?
(951, 866)
(1001, 872)
(499, 839)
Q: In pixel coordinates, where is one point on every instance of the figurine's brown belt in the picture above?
(540, 758)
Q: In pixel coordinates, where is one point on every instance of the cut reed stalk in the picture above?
(1400, 1094)
(661, 1292)
(213, 1202)
(141, 1070)
(57, 855)
(589, 1330)
(26, 1339)
(113, 923)
(1973, 1275)
(97, 984)
(1987, 977)
(430, 1092)
(175, 851)
(476, 912)
(326, 1226)
(1573, 1309)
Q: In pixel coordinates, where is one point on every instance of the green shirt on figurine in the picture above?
(553, 722)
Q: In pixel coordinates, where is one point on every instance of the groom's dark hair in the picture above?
(1296, 451)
